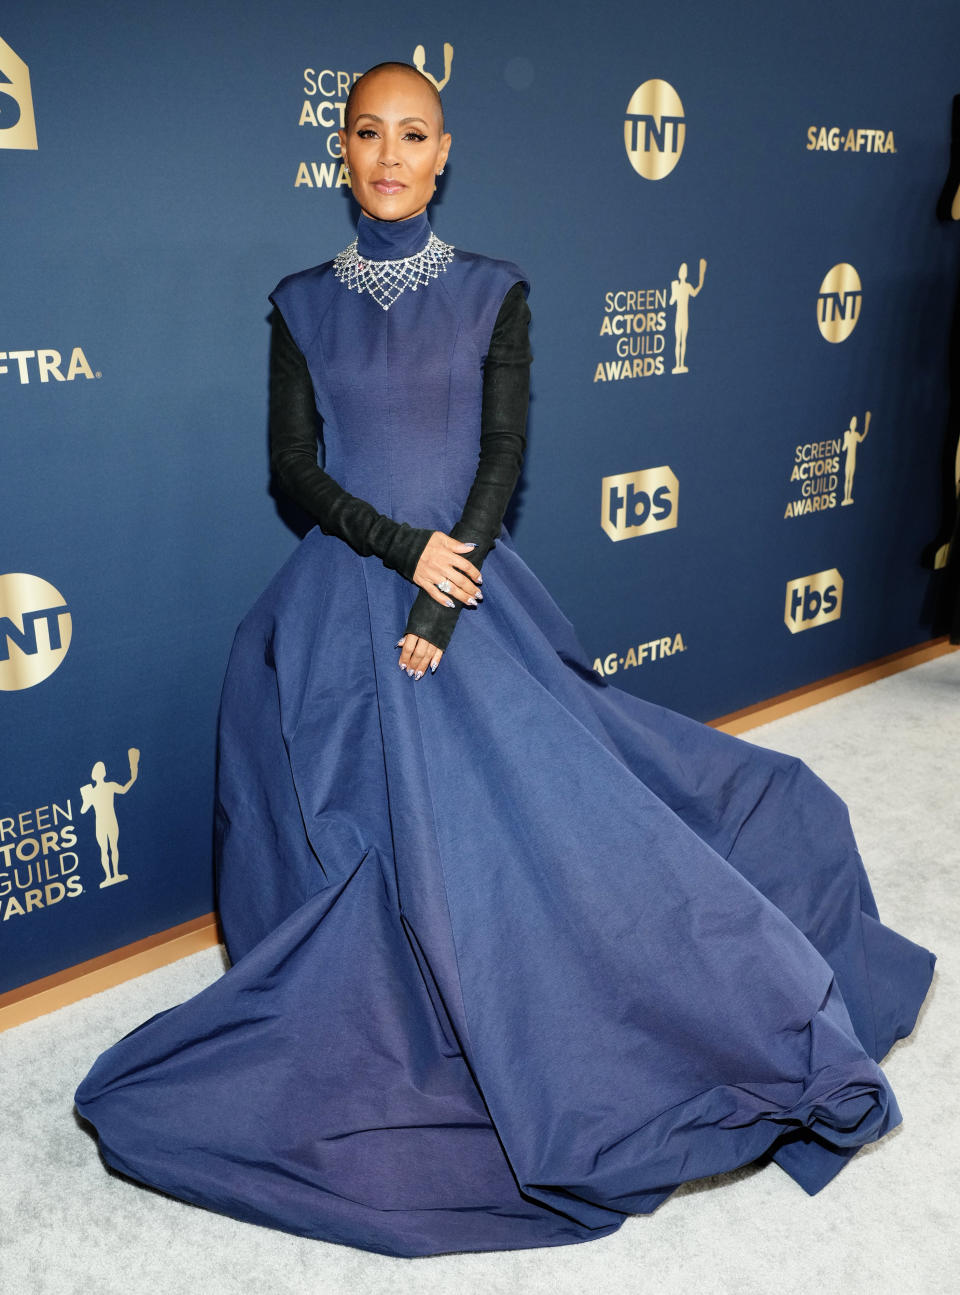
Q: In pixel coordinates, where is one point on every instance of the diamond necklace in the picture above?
(386, 280)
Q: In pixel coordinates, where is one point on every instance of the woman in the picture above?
(514, 952)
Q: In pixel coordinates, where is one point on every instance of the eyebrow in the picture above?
(404, 121)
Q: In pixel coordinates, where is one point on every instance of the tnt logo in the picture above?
(35, 630)
(18, 128)
(654, 129)
(838, 302)
(813, 600)
(638, 503)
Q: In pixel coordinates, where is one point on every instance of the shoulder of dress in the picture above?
(475, 286)
(303, 299)
(495, 270)
(303, 281)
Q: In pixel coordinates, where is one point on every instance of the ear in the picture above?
(446, 139)
(342, 136)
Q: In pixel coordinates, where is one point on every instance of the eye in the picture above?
(366, 132)
(415, 134)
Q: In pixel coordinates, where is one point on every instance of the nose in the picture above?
(387, 156)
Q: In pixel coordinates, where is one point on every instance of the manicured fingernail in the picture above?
(401, 665)
(471, 602)
(418, 675)
(400, 640)
(448, 601)
(472, 545)
(410, 671)
(480, 596)
(479, 580)
(433, 666)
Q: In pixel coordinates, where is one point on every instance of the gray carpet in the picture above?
(887, 1223)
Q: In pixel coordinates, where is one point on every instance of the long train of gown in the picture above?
(514, 952)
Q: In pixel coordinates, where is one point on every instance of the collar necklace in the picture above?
(385, 281)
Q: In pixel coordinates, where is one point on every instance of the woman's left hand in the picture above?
(418, 655)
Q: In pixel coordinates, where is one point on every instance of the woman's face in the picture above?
(394, 145)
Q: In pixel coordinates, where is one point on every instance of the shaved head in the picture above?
(393, 67)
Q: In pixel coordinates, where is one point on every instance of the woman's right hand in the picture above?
(443, 559)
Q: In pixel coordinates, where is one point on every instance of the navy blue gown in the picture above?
(514, 952)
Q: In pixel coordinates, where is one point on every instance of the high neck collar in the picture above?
(391, 240)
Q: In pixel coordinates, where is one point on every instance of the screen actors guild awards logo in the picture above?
(838, 302)
(636, 321)
(654, 129)
(638, 503)
(18, 127)
(35, 630)
(38, 859)
(100, 796)
(816, 470)
(813, 600)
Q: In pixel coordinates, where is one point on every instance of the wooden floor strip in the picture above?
(86, 978)
(787, 703)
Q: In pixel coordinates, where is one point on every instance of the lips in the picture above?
(388, 187)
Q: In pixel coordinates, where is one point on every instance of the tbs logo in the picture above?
(637, 503)
(813, 600)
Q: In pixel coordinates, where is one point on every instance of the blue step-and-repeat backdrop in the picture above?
(741, 302)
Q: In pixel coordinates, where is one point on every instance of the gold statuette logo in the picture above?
(813, 600)
(638, 503)
(838, 302)
(654, 129)
(100, 796)
(18, 127)
(680, 293)
(420, 63)
(35, 630)
(852, 439)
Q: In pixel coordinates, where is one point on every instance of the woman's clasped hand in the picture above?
(443, 558)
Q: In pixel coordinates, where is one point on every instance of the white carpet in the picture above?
(887, 1223)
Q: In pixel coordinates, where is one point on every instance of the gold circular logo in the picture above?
(35, 630)
(654, 129)
(838, 302)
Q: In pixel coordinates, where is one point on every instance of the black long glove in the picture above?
(503, 438)
(294, 428)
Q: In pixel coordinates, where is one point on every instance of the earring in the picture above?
(440, 172)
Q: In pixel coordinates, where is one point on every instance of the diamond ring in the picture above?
(444, 586)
